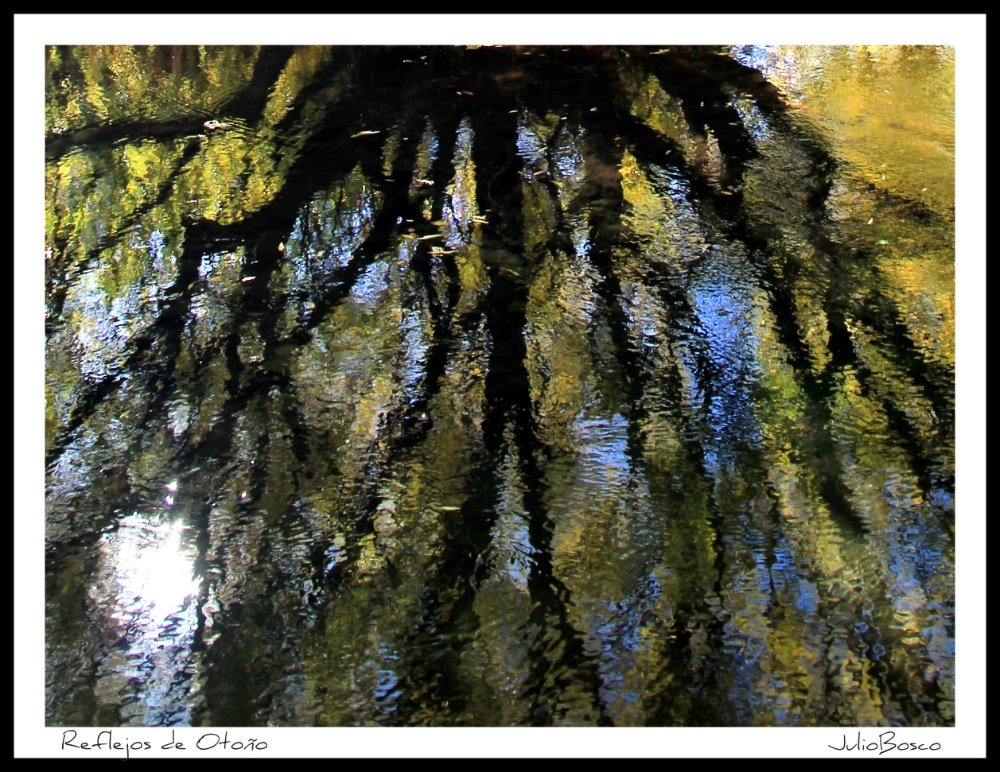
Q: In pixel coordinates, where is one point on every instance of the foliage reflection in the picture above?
(445, 386)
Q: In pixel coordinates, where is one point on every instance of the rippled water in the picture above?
(500, 386)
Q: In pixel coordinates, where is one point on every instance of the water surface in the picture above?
(519, 386)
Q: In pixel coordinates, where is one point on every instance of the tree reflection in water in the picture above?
(499, 386)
